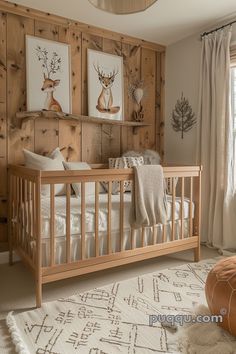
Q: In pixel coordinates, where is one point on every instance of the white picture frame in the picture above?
(48, 75)
(105, 85)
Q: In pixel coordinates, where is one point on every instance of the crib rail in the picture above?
(25, 220)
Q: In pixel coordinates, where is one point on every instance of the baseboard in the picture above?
(4, 257)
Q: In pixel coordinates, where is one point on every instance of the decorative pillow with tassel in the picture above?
(122, 162)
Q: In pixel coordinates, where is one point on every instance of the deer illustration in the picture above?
(105, 99)
(49, 85)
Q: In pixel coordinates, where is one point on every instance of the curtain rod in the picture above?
(217, 29)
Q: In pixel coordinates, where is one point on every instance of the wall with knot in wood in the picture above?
(78, 141)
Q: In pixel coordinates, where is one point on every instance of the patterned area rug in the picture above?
(6, 345)
(113, 319)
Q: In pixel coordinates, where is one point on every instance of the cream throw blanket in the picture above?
(149, 198)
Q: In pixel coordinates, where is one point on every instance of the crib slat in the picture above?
(20, 212)
(16, 209)
(132, 229)
(173, 210)
(34, 208)
(32, 217)
(22, 216)
(10, 217)
(26, 236)
(121, 215)
(132, 238)
(38, 251)
(82, 220)
(52, 224)
(143, 234)
(191, 208)
(182, 209)
(96, 219)
(154, 234)
(109, 219)
(163, 233)
(68, 251)
(29, 214)
(13, 207)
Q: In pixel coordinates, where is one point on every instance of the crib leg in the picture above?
(10, 250)
(38, 293)
(10, 256)
(10, 244)
(197, 254)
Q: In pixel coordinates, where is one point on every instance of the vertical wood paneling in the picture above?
(46, 30)
(91, 133)
(46, 131)
(87, 142)
(46, 136)
(69, 132)
(148, 68)
(162, 107)
(111, 133)
(132, 73)
(17, 28)
(3, 107)
(69, 140)
(158, 100)
(3, 131)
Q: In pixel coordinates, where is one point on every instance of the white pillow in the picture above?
(56, 154)
(89, 186)
(45, 163)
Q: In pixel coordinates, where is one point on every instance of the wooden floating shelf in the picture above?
(33, 115)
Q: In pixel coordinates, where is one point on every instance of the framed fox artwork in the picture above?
(105, 85)
(48, 75)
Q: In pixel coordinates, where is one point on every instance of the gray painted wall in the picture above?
(182, 75)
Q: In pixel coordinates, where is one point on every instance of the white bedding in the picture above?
(75, 225)
(75, 210)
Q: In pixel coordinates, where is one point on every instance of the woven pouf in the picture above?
(220, 292)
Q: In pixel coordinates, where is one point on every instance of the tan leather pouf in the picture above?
(220, 292)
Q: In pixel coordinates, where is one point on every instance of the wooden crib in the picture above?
(25, 221)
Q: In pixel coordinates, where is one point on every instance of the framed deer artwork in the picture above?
(105, 85)
(48, 75)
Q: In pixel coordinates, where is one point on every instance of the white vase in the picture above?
(138, 95)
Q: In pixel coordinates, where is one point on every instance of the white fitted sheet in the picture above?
(75, 211)
(150, 233)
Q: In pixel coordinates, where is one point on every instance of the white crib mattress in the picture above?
(75, 211)
(75, 224)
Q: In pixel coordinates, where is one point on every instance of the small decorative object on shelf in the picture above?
(183, 118)
(137, 91)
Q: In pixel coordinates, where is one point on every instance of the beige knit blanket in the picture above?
(149, 197)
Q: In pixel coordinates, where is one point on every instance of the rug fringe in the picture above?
(15, 335)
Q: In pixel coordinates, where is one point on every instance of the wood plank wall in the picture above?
(78, 141)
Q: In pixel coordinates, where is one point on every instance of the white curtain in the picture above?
(215, 141)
